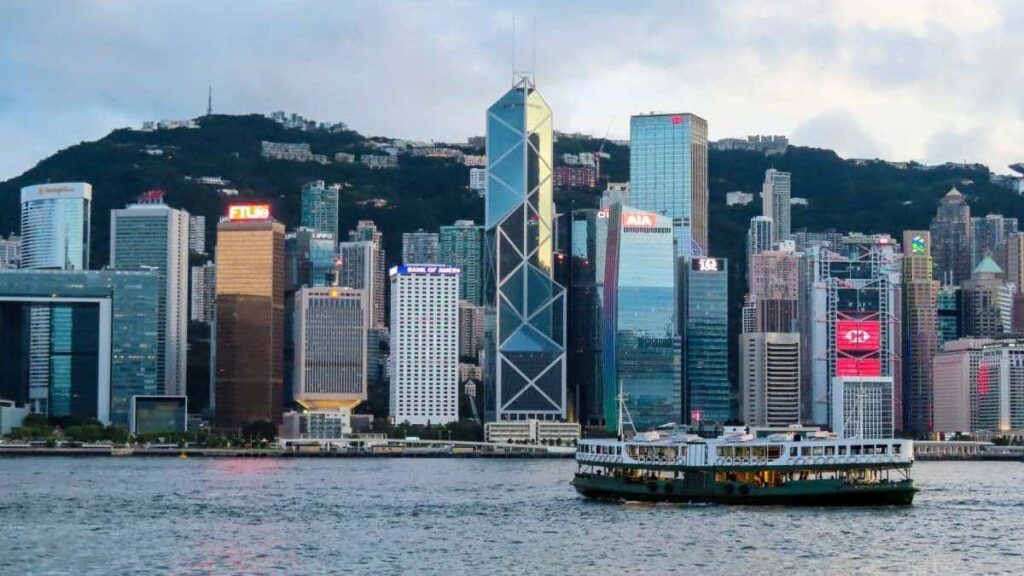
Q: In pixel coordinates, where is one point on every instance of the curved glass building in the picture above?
(525, 362)
(55, 226)
(642, 350)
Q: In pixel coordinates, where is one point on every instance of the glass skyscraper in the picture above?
(705, 313)
(668, 172)
(641, 348)
(525, 363)
(320, 207)
(462, 245)
(153, 235)
(55, 226)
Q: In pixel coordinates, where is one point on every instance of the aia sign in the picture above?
(249, 212)
(638, 219)
(857, 335)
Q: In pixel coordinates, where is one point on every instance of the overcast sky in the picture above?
(928, 80)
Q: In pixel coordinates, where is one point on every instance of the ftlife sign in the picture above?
(249, 212)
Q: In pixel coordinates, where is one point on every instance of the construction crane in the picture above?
(600, 151)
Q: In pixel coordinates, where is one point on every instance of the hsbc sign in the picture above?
(857, 335)
(638, 219)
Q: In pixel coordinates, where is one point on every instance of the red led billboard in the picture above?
(858, 367)
(857, 335)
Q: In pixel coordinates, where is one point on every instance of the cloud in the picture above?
(878, 79)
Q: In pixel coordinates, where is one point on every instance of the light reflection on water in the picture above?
(444, 516)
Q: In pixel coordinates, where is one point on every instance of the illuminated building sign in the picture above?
(707, 265)
(678, 119)
(323, 236)
(917, 245)
(857, 335)
(638, 219)
(602, 213)
(438, 270)
(858, 367)
(249, 212)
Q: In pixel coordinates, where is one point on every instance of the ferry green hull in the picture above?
(826, 492)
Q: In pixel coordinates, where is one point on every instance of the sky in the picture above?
(925, 80)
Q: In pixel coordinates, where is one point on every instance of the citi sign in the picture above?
(249, 212)
(634, 219)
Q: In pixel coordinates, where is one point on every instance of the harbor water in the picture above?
(79, 516)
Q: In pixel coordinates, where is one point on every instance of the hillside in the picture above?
(426, 193)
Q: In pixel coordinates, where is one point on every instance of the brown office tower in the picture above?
(250, 317)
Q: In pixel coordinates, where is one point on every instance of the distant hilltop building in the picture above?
(738, 198)
(474, 160)
(298, 152)
(151, 125)
(377, 161)
(776, 144)
(296, 122)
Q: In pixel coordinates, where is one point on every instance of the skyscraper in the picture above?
(10, 252)
(704, 296)
(525, 362)
(462, 245)
(949, 303)
(424, 362)
(420, 247)
(588, 250)
(204, 293)
(367, 231)
(770, 378)
(774, 289)
(250, 316)
(951, 239)
(920, 330)
(152, 235)
(668, 169)
(320, 207)
(55, 226)
(331, 331)
(309, 258)
(989, 236)
(641, 345)
(197, 234)
(775, 201)
(759, 236)
(987, 302)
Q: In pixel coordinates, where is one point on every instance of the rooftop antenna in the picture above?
(514, 79)
(533, 64)
(209, 101)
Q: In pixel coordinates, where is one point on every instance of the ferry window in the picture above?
(743, 452)
(855, 450)
(805, 451)
(817, 451)
(880, 449)
(760, 452)
(895, 448)
(842, 450)
(774, 452)
(792, 451)
(830, 450)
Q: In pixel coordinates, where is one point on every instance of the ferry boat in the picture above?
(788, 466)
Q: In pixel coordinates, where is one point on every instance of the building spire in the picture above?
(209, 101)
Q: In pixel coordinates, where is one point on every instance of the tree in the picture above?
(260, 430)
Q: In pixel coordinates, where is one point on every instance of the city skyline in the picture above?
(858, 99)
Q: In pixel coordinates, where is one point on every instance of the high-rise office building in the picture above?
(978, 385)
(770, 378)
(197, 234)
(204, 293)
(949, 302)
(421, 247)
(331, 329)
(471, 329)
(775, 201)
(863, 407)
(462, 245)
(955, 371)
(588, 250)
(759, 236)
(1014, 260)
(989, 236)
(774, 291)
(96, 344)
(424, 361)
(951, 239)
(10, 252)
(987, 302)
(367, 231)
(525, 361)
(250, 316)
(152, 235)
(320, 207)
(920, 330)
(668, 174)
(704, 310)
(310, 258)
(855, 305)
(55, 226)
(641, 344)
